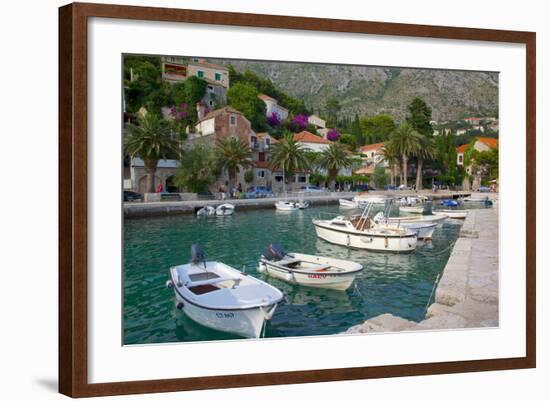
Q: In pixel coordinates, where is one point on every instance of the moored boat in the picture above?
(452, 214)
(309, 270)
(287, 205)
(366, 199)
(303, 204)
(206, 211)
(225, 209)
(423, 229)
(363, 232)
(348, 204)
(412, 209)
(220, 297)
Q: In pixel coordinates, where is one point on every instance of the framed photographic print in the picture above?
(251, 200)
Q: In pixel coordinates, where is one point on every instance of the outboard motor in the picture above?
(427, 208)
(197, 254)
(274, 252)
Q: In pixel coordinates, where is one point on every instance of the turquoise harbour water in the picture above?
(390, 283)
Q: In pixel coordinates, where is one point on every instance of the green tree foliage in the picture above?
(420, 115)
(143, 85)
(425, 151)
(244, 97)
(349, 140)
(151, 139)
(290, 156)
(376, 129)
(293, 105)
(233, 154)
(406, 141)
(332, 109)
(380, 177)
(190, 91)
(197, 168)
(333, 159)
(248, 176)
(391, 155)
(445, 155)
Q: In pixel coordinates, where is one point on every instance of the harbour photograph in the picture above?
(269, 199)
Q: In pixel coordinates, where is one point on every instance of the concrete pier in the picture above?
(467, 293)
(151, 209)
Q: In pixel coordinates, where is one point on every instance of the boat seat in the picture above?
(213, 281)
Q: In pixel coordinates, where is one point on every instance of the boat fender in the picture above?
(169, 284)
(179, 305)
(386, 242)
(289, 277)
(262, 267)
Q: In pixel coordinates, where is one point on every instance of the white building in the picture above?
(272, 106)
(373, 154)
(317, 121)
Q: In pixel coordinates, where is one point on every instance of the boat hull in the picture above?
(245, 323)
(452, 214)
(390, 243)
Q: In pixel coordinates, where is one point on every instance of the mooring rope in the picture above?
(432, 293)
(438, 253)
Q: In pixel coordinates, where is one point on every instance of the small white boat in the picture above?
(423, 229)
(348, 204)
(364, 200)
(309, 270)
(287, 205)
(412, 209)
(452, 214)
(424, 218)
(206, 211)
(303, 204)
(223, 298)
(363, 232)
(225, 209)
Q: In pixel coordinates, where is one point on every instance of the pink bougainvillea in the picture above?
(300, 120)
(274, 120)
(333, 135)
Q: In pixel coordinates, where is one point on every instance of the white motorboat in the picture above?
(415, 218)
(423, 229)
(287, 205)
(348, 204)
(365, 199)
(412, 209)
(303, 204)
(452, 214)
(220, 297)
(309, 270)
(225, 209)
(363, 232)
(206, 211)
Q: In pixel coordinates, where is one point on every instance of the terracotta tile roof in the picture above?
(462, 148)
(206, 64)
(262, 164)
(263, 96)
(374, 146)
(308, 137)
(262, 135)
(491, 142)
(217, 112)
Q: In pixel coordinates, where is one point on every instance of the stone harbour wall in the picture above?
(467, 292)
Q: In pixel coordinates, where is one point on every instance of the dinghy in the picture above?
(287, 205)
(452, 214)
(308, 270)
(303, 204)
(222, 298)
(363, 232)
(225, 209)
(206, 211)
(363, 200)
(347, 204)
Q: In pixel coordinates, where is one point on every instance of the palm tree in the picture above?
(233, 154)
(151, 139)
(426, 151)
(289, 155)
(333, 159)
(406, 141)
(392, 157)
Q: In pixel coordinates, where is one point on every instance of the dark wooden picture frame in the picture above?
(73, 207)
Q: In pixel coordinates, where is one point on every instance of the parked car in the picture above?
(364, 187)
(311, 188)
(484, 189)
(259, 191)
(132, 196)
(390, 187)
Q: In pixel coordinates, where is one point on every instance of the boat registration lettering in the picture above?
(321, 276)
(225, 315)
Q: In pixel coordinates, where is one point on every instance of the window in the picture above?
(211, 103)
(261, 174)
(218, 76)
(301, 178)
(460, 158)
(233, 120)
(261, 156)
(267, 141)
(278, 178)
(200, 74)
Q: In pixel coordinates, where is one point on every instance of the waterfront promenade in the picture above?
(164, 208)
(467, 293)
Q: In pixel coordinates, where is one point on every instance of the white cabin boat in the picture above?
(225, 209)
(364, 200)
(452, 214)
(423, 229)
(348, 204)
(303, 204)
(424, 218)
(206, 211)
(287, 205)
(412, 209)
(309, 270)
(220, 297)
(363, 232)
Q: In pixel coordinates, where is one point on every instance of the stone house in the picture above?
(272, 106)
(373, 154)
(211, 73)
(317, 121)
